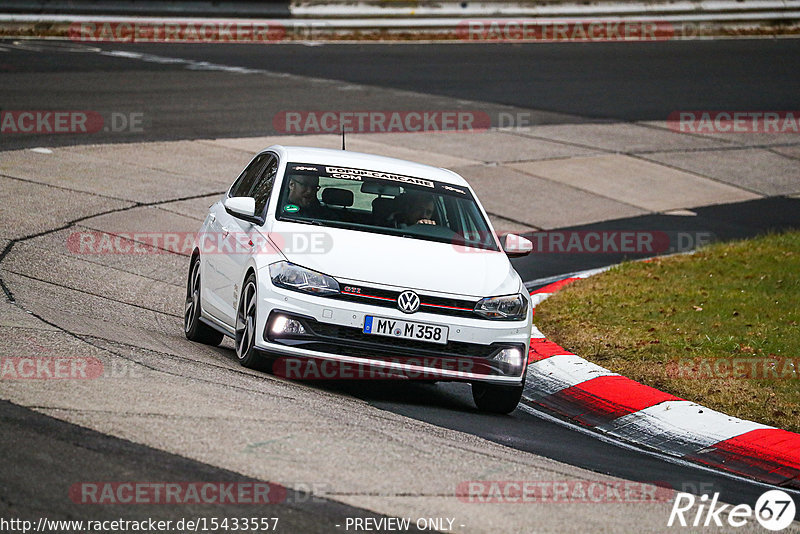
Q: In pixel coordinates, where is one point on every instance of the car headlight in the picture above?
(296, 278)
(506, 308)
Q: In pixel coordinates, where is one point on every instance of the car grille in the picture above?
(388, 299)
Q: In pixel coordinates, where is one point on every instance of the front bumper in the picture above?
(477, 350)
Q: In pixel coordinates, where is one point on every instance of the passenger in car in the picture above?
(413, 208)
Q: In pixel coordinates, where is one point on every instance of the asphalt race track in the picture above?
(176, 411)
(198, 98)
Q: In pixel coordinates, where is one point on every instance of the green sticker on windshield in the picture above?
(291, 208)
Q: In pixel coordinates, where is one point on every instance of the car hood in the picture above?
(405, 263)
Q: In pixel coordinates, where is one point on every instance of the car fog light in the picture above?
(284, 325)
(511, 356)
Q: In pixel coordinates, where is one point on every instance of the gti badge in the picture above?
(408, 302)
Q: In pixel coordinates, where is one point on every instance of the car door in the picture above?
(210, 250)
(220, 246)
(242, 237)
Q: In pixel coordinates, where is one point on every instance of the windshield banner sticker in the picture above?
(358, 174)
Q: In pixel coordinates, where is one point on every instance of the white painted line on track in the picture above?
(189, 64)
(52, 46)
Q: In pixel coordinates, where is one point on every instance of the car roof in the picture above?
(360, 160)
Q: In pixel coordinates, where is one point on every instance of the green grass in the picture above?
(667, 323)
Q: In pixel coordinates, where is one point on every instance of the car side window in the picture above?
(244, 184)
(263, 187)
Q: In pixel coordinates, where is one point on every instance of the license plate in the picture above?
(405, 329)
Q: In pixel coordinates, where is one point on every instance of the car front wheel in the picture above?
(246, 325)
(496, 399)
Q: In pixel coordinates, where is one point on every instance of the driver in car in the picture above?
(303, 193)
(414, 208)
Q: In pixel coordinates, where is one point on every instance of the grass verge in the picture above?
(719, 327)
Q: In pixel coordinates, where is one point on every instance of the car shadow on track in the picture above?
(409, 393)
(448, 397)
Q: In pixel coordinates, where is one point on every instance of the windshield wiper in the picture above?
(304, 221)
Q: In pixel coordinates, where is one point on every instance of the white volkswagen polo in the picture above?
(336, 264)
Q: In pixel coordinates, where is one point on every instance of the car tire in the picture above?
(245, 338)
(193, 327)
(497, 399)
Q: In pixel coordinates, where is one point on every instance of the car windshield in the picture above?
(381, 202)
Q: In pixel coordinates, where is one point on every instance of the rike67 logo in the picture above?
(774, 510)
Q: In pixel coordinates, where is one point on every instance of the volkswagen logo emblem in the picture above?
(408, 302)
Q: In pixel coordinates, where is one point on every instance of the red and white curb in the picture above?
(592, 396)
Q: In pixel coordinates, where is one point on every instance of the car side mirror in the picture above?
(516, 246)
(243, 208)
